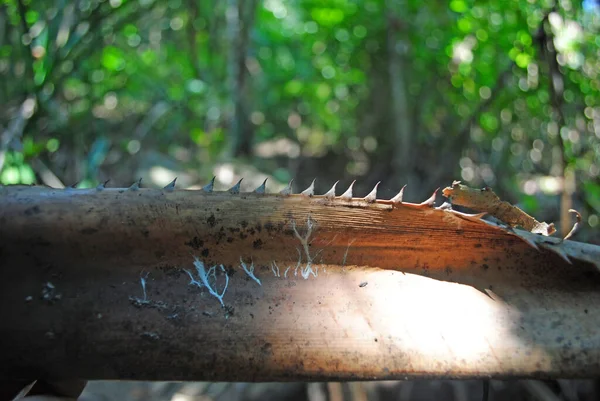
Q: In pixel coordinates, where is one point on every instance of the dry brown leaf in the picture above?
(485, 200)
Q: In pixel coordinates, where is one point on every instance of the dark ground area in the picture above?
(416, 390)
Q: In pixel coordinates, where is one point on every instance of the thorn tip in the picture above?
(287, 190)
(102, 185)
(310, 191)
(348, 194)
(209, 187)
(431, 201)
(236, 188)
(331, 193)
(262, 188)
(372, 196)
(170, 186)
(136, 185)
(399, 196)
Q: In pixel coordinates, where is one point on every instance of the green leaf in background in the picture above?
(113, 58)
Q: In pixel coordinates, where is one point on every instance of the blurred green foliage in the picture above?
(91, 89)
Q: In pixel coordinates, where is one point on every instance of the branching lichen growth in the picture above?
(203, 276)
(250, 271)
(307, 270)
(275, 269)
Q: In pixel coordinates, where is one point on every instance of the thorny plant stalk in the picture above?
(250, 271)
(203, 275)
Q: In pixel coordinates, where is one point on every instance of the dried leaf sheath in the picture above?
(485, 200)
(94, 245)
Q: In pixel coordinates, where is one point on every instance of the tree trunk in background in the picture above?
(214, 10)
(191, 36)
(240, 18)
(400, 117)
(557, 87)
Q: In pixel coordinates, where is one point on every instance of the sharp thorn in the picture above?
(575, 226)
(136, 185)
(530, 241)
(287, 190)
(170, 186)
(431, 200)
(372, 196)
(557, 249)
(102, 185)
(444, 206)
(73, 186)
(348, 194)
(310, 191)
(331, 193)
(398, 198)
(236, 188)
(263, 188)
(209, 187)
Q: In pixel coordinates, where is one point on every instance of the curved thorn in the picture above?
(136, 185)
(209, 187)
(529, 240)
(102, 185)
(236, 188)
(263, 188)
(310, 191)
(444, 206)
(170, 186)
(348, 194)
(557, 249)
(575, 226)
(331, 193)
(73, 186)
(398, 198)
(431, 200)
(287, 190)
(372, 196)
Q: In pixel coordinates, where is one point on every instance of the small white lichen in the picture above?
(250, 271)
(275, 269)
(143, 281)
(308, 269)
(346, 253)
(137, 301)
(203, 276)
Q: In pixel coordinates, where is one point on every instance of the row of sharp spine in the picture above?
(310, 191)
